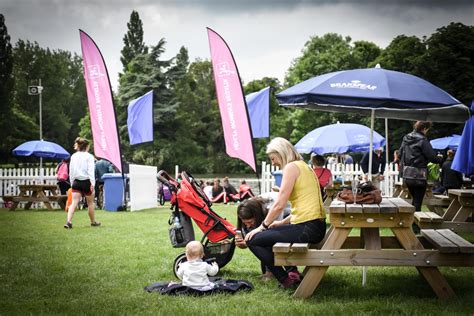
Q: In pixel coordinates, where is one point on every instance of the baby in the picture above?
(194, 271)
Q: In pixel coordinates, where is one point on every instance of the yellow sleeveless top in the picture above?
(306, 200)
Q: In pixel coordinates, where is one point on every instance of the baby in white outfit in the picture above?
(194, 272)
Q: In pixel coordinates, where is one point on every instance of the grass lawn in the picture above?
(45, 269)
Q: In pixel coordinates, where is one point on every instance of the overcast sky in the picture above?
(264, 35)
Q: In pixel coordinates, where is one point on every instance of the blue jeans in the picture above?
(261, 244)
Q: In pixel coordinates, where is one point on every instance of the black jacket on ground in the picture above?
(416, 151)
(450, 178)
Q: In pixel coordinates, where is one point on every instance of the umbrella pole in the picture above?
(387, 154)
(371, 147)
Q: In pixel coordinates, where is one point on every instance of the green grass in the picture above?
(45, 269)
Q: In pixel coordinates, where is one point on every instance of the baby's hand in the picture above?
(214, 263)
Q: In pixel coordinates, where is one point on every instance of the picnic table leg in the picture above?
(313, 274)
(463, 214)
(452, 209)
(45, 198)
(432, 275)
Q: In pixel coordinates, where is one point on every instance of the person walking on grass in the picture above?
(82, 177)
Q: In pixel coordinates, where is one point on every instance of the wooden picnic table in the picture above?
(458, 216)
(370, 249)
(36, 193)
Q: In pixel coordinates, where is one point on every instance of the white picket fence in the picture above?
(340, 172)
(11, 178)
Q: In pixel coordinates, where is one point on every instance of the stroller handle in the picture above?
(167, 180)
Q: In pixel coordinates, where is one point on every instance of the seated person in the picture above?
(231, 192)
(194, 272)
(450, 179)
(218, 193)
(250, 215)
(245, 192)
(208, 190)
(324, 174)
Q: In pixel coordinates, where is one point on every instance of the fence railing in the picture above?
(11, 178)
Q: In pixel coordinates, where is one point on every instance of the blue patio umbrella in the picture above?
(385, 93)
(338, 138)
(41, 148)
(451, 142)
(378, 92)
(464, 157)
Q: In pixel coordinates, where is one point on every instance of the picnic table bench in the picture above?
(435, 248)
(36, 193)
(457, 215)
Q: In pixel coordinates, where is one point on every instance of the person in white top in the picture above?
(82, 178)
(208, 190)
(194, 272)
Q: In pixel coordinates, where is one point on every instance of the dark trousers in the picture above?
(417, 191)
(261, 244)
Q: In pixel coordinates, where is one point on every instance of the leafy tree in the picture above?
(133, 40)
(402, 54)
(6, 88)
(148, 72)
(64, 97)
(449, 60)
(365, 53)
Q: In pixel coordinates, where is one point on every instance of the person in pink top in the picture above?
(324, 174)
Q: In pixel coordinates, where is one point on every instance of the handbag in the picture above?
(415, 175)
(367, 193)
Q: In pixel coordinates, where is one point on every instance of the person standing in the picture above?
(62, 176)
(305, 224)
(102, 166)
(378, 166)
(82, 177)
(415, 153)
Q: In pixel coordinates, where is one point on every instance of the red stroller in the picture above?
(188, 197)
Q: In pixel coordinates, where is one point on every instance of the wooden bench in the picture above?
(456, 216)
(447, 241)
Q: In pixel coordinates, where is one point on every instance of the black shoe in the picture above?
(95, 224)
(68, 225)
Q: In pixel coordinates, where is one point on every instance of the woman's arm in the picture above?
(290, 174)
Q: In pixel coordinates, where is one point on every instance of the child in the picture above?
(194, 271)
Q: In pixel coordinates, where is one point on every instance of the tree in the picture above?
(6, 88)
(148, 72)
(64, 97)
(449, 60)
(133, 41)
(402, 54)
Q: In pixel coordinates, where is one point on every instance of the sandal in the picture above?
(95, 224)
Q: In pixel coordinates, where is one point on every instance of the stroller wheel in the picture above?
(179, 259)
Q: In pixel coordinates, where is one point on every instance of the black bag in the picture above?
(181, 229)
(415, 175)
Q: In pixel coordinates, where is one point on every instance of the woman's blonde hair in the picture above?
(284, 150)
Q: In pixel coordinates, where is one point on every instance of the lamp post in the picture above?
(37, 90)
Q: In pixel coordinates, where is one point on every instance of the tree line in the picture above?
(187, 127)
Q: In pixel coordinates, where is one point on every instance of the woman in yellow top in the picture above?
(306, 222)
